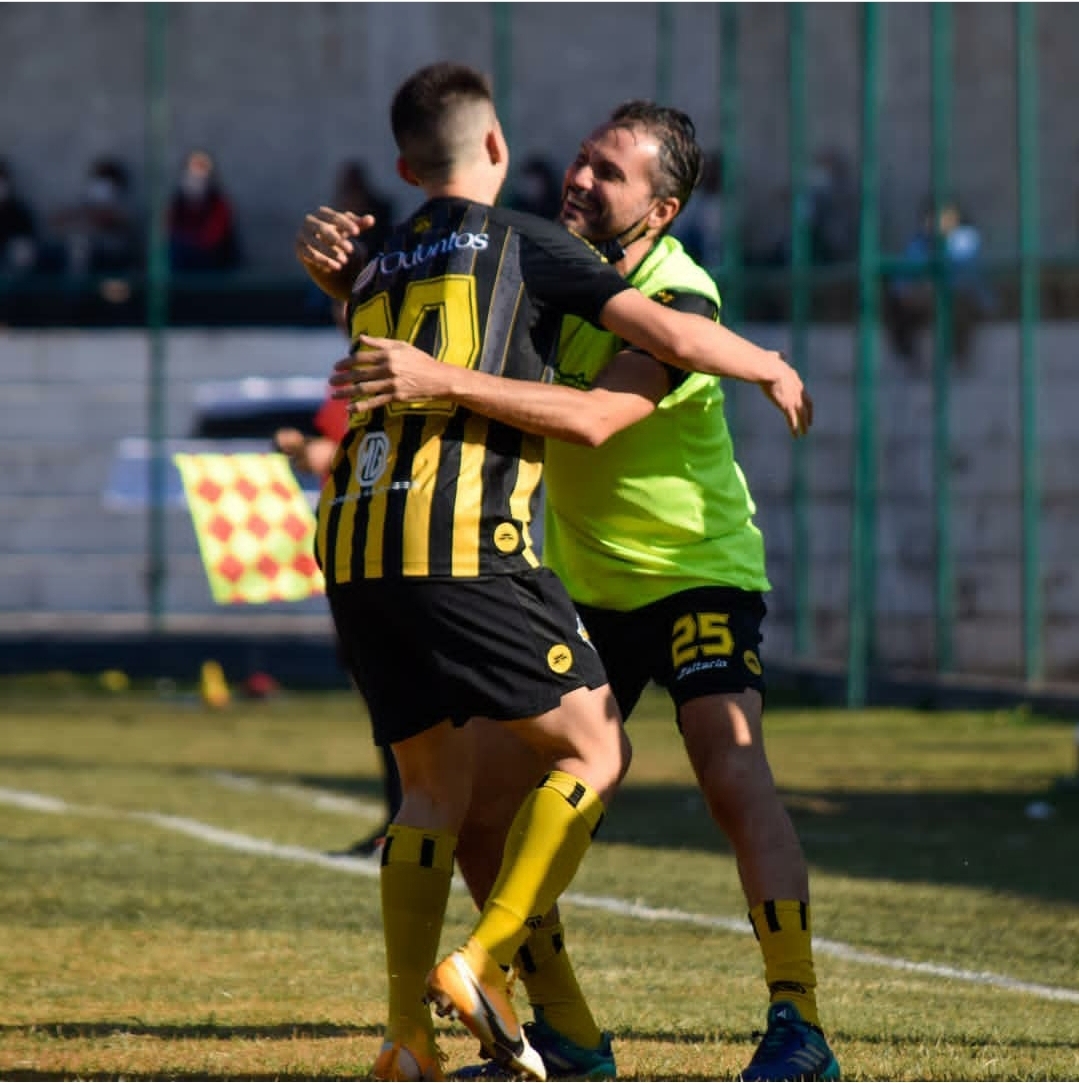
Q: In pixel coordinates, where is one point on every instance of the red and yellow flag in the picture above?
(254, 527)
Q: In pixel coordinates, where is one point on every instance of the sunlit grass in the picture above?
(129, 950)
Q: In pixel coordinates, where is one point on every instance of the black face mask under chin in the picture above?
(614, 248)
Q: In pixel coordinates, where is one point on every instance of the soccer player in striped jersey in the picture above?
(440, 604)
(650, 525)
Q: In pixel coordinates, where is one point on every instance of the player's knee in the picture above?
(735, 783)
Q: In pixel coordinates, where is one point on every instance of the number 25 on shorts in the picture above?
(700, 635)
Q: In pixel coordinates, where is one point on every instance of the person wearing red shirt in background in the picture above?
(313, 455)
(202, 229)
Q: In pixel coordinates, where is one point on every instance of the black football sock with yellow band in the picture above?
(417, 868)
(547, 840)
(783, 930)
(545, 968)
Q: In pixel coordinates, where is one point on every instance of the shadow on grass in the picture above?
(969, 838)
(976, 838)
(25, 1076)
(105, 1028)
(82, 1030)
(972, 839)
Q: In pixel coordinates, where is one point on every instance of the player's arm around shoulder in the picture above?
(693, 342)
(388, 370)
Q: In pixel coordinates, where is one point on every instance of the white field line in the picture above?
(369, 867)
(301, 795)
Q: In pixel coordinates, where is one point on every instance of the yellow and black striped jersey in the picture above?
(432, 489)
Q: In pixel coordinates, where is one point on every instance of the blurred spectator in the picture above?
(98, 232)
(538, 189)
(354, 192)
(910, 294)
(18, 234)
(833, 207)
(767, 227)
(833, 216)
(700, 226)
(202, 229)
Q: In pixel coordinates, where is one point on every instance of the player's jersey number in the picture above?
(449, 299)
(700, 635)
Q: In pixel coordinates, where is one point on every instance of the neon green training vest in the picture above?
(662, 506)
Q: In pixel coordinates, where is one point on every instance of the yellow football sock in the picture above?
(547, 972)
(783, 930)
(417, 867)
(547, 840)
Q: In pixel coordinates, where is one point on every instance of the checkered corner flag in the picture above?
(254, 527)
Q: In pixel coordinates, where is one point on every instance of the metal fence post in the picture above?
(664, 52)
(157, 287)
(801, 257)
(502, 66)
(941, 38)
(732, 184)
(1026, 50)
(864, 527)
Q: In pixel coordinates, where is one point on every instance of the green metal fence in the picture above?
(798, 280)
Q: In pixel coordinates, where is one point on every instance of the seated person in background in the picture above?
(98, 232)
(352, 192)
(700, 226)
(539, 188)
(355, 193)
(910, 295)
(833, 204)
(18, 233)
(202, 229)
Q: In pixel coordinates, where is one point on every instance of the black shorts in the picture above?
(423, 650)
(699, 642)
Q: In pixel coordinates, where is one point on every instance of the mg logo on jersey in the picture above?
(371, 458)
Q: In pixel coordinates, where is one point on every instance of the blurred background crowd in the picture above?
(192, 138)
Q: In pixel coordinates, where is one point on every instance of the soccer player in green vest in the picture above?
(649, 523)
(442, 609)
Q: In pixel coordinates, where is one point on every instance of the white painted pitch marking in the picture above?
(369, 867)
(34, 802)
(303, 795)
(834, 948)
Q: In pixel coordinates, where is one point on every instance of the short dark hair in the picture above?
(433, 117)
(680, 155)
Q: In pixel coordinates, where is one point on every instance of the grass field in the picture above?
(166, 910)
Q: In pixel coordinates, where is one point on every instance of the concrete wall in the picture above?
(66, 398)
(283, 92)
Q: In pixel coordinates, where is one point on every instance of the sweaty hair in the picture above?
(678, 166)
(439, 116)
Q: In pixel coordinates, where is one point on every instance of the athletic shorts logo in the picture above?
(753, 663)
(371, 458)
(507, 537)
(560, 658)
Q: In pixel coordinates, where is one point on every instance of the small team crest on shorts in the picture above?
(560, 658)
(753, 663)
(507, 537)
